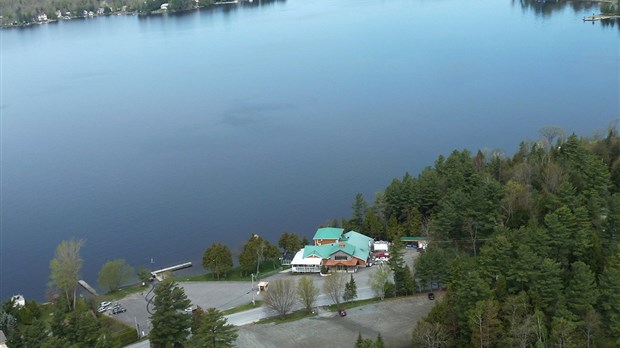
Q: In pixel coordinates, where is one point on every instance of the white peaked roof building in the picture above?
(306, 265)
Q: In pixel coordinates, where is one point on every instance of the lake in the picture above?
(154, 136)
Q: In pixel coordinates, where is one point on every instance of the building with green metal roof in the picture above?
(327, 235)
(335, 250)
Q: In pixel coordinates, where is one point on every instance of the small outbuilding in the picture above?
(262, 286)
(415, 242)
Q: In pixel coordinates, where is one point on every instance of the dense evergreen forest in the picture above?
(526, 247)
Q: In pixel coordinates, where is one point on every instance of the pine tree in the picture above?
(379, 342)
(609, 301)
(170, 323)
(546, 288)
(582, 292)
(360, 207)
(213, 331)
(350, 290)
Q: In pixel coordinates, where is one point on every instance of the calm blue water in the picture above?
(152, 137)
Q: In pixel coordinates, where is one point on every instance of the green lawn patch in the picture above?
(297, 315)
(242, 308)
(234, 275)
(353, 304)
(119, 294)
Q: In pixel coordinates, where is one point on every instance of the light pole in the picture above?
(216, 270)
(252, 289)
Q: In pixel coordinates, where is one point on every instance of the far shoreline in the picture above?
(124, 13)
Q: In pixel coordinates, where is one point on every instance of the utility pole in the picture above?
(252, 289)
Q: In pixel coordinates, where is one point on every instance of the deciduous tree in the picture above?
(280, 297)
(334, 286)
(289, 242)
(113, 274)
(429, 335)
(307, 292)
(253, 254)
(378, 281)
(65, 268)
(218, 259)
(485, 324)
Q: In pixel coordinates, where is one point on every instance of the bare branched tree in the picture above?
(430, 335)
(334, 286)
(280, 297)
(551, 133)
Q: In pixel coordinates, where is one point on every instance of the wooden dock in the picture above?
(158, 274)
(601, 17)
(87, 287)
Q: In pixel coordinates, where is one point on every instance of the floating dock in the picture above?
(157, 274)
(87, 287)
(595, 18)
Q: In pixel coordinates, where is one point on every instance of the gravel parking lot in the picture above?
(224, 295)
(394, 318)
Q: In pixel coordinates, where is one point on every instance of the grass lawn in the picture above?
(297, 315)
(242, 308)
(119, 294)
(353, 304)
(234, 275)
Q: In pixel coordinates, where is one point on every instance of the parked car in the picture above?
(102, 309)
(118, 310)
(105, 304)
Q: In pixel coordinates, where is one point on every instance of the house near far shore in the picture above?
(335, 250)
(19, 301)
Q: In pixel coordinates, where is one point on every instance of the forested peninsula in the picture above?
(526, 247)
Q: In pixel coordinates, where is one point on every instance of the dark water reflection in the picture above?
(546, 8)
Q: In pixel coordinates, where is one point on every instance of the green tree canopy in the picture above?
(218, 259)
(65, 269)
(113, 274)
(307, 292)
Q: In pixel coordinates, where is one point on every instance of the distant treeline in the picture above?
(23, 12)
(611, 8)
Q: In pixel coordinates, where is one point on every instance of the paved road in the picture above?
(225, 295)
